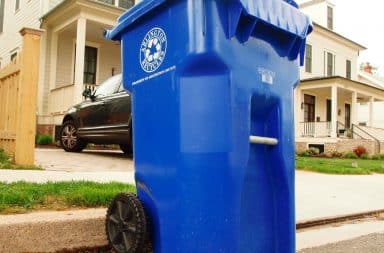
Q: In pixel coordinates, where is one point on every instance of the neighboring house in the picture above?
(377, 119)
(74, 53)
(330, 92)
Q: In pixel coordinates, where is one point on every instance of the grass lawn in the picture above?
(339, 166)
(22, 197)
(5, 163)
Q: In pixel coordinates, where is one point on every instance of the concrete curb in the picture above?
(337, 219)
(70, 230)
(52, 231)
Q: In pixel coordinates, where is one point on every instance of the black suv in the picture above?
(104, 118)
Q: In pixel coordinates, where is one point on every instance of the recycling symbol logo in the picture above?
(153, 50)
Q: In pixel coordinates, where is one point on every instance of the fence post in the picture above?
(27, 103)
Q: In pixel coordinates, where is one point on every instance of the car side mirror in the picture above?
(89, 93)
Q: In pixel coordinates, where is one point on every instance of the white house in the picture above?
(330, 92)
(73, 36)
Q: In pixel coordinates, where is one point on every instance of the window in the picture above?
(348, 69)
(90, 62)
(108, 1)
(126, 4)
(308, 58)
(13, 56)
(2, 3)
(330, 18)
(17, 5)
(309, 108)
(330, 64)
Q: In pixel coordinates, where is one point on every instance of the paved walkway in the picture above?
(317, 195)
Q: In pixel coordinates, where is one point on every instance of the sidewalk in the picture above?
(317, 195)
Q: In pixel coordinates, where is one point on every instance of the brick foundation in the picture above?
(45, 129)
(343, 146)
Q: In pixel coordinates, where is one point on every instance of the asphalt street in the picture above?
(373, 243)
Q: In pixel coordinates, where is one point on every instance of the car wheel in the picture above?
(68, 138)
(127, 148)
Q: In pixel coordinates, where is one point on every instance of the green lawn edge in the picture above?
(22, 197)
(339, 166)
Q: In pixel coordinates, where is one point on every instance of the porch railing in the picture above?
(316, 129)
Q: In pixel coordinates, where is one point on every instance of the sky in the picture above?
(362, 22)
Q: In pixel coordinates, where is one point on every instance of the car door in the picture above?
(119, 114)
(93, 114)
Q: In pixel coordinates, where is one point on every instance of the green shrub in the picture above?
(44, 139)
(336, 154)
(364, 156)
(350, 155)
(304, 153)
(314, 151)
(376, 157)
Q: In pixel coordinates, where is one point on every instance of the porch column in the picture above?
(79, 61)
(53, 60)
(298, 111)
(334, 112)
(354, 108)
(370, 113)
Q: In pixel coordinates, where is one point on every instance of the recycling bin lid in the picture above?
(281, 14)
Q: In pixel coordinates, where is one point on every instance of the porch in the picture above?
(328, 107)
(326, 113)
(75, 55)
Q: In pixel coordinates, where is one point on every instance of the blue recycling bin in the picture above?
(212, 94)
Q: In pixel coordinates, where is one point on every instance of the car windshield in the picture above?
(108, 87)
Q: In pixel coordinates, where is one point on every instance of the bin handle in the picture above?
(263, 140)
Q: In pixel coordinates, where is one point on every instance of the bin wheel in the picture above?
(126, 224)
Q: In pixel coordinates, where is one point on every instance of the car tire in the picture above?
(68, 138)
(127, 148)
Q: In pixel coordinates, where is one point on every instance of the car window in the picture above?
(121, 88)
(108, 87)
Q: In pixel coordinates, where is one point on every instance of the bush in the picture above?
(304, 153)
(364, 156)
(44, 139)
(378, 157)
(359, 150)
(314, 151)
(309, 152)
(350, 155)
(336, 154)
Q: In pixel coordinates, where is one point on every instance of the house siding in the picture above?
(10, 39)
(321, 44)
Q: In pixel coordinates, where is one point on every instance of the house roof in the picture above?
(339, 36)
(335, 78)
(377, 81)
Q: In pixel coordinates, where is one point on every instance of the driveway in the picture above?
(86, 161)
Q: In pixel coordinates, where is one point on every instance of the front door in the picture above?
(309, 108)
(329, 110)
(347, 116)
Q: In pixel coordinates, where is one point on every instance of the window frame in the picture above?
(327, 66)
(330, 15)
(348, 69)
(17, 5)
(131, 3)
(308, 58)
(2, 15)
(86, 71)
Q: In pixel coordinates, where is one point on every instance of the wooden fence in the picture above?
(18, 100)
